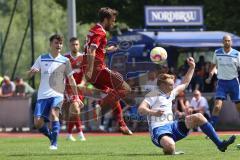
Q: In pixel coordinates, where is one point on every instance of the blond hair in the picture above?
(163, 78)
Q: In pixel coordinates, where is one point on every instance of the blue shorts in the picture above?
(44, 106)
(177, 130)
(225, 87)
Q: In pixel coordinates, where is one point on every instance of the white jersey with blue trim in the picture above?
(157, 100)
(227, 63)
(53, 74)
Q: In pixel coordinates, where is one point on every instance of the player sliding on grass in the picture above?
(164, 131)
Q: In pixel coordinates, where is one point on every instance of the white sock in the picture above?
(69, 135)
(81, 134)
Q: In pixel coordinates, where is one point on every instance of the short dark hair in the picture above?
(106, 12)
(73, 39)
(227, 35)
(17, 79)
(56, 36)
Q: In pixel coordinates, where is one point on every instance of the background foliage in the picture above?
(50, 16)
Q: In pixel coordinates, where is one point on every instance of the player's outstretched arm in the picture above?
(35, 68)
(32, 72)
(144, 109)
(90, 58)
(188, 76)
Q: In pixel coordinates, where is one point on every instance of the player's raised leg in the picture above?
(198, 120)
(117, 89)
(96, 71)
(122, 125)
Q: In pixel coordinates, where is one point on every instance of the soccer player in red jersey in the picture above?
(72, 108)
(98, 74)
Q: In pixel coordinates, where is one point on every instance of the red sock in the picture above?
(78, 124)
(117, 109)
(70, 125)
(113, 100)
(110, 98)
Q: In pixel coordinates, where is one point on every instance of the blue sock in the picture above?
(45, 130)
(214, 120)
(208, 129)
(55, 132)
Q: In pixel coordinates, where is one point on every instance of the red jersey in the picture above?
(76, 63)
(78, 75)
(97, 37)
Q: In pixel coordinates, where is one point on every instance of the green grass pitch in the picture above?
(112, 147)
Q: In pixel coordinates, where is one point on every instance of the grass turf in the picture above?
(111, 147)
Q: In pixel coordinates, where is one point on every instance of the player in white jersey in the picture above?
(54, 69)
(227, 62)
(164, 131)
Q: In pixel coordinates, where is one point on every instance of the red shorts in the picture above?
(102, 77)
(105, 78)
(69, 95)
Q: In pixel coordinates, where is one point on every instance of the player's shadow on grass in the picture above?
(84, 154)
(137, 154)
(54, 153)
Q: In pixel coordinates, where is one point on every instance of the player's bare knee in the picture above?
(169, 148)
(74, 110)
(38, 122)
(78, 111)
(54, 114)
(199, 116)
(217, 107)
(168, 145)
(193, 120)
(200, 119)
